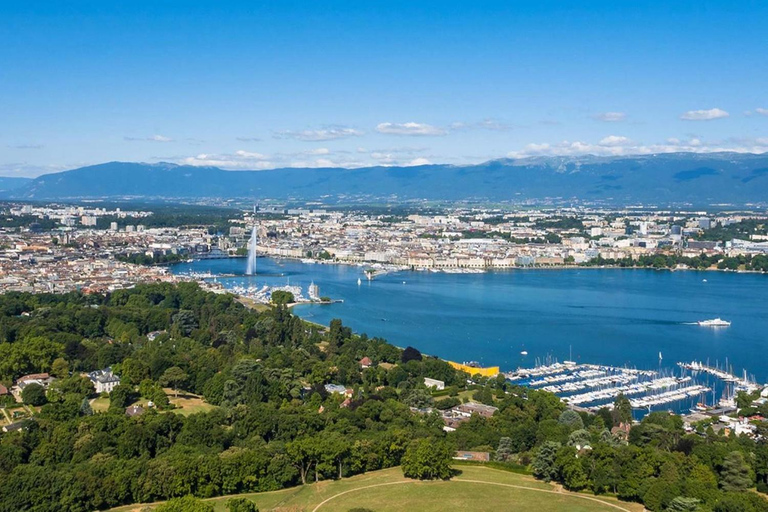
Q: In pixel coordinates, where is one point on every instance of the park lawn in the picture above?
(186, 403)
(100, 404)
(252, 304)
(477, 488)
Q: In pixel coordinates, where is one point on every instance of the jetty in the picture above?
(742, 384)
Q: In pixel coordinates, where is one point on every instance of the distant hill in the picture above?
(7, 184)
(656, 179)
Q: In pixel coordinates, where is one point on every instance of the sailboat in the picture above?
(660, 358)
(359, 281)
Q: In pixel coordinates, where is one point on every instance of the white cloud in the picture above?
(419, 161)
(327, 162)
(250, 155)
(485, 124)
(248, 139)
(622, 146)
(330, 133)
(239, 160)
(762, 111)
(317, 151)
(615, 140)
(411, 128)
(152, 138)
(704, 115)
(610, 117)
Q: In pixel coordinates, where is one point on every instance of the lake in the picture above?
(602, 316)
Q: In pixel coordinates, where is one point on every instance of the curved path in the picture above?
(560, 493)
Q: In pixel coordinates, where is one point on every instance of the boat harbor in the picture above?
(591, 387)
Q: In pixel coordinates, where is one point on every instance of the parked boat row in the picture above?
(668, 397)
(567, 377)
(742, 384)
(611, 381)
(628, 390)
(569, 367)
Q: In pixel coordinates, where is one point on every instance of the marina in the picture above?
(595, 386)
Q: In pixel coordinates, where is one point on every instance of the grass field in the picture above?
(478, 489)
(186, 403)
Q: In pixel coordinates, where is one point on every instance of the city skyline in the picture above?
(269, 86)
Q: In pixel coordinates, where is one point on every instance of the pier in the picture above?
(742, 384)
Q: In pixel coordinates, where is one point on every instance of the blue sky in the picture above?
(254, 85)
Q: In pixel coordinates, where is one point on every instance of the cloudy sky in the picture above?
(258, 85)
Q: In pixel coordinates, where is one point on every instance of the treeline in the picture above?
(270, 423)
(171, 216)
(26, 221)
(549, 238)
(702, 262)
(740, 230)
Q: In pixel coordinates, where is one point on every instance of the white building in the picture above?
(434, 383)
(104, 380)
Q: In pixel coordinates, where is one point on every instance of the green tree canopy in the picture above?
(33, 394)
(428, 459)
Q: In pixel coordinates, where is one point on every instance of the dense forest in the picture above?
(270, 423)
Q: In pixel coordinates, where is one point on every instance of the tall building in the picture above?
(88, 220)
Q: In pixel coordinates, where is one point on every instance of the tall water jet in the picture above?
(251, 268)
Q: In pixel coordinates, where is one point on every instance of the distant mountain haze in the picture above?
(654, 179)
(7, 184)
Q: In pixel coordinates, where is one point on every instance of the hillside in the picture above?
(477, 488)
(7, 184)
(658, 179)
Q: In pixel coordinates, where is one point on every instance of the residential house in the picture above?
(104, 380)
(134, 410)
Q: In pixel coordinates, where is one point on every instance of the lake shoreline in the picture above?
(394, 268)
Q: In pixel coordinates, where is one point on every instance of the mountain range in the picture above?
(672, 178)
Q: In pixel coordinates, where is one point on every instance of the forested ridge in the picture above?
(271, 424)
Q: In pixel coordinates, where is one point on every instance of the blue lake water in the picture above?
(601, 316)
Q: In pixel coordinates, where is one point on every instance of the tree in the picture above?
(121, 396)
(174, 377)
(571, 419)
(85, 408)
(419, 398)
(33, 394)
(241, 505)
(410, 354)
(505, 450)
(185, 322)
(579, 438)
(428, 459)
(303, 453)
(622, 410)
(186, 504)
(282, 297)
(683, 504)
(544, 462)
(60, 368)
(736, 474)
